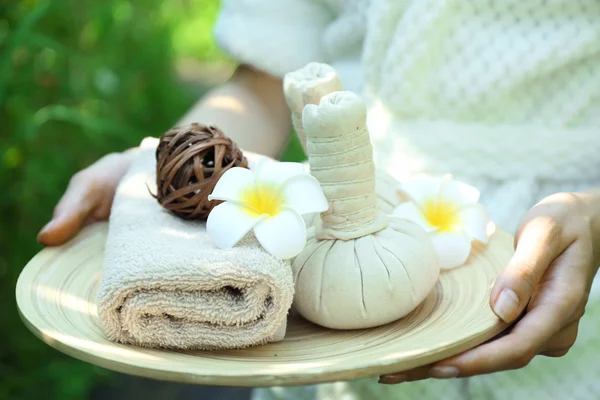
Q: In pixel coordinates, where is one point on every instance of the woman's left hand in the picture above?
(550, 276)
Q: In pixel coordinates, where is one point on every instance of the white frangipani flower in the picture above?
(449, 211)
(271, 200)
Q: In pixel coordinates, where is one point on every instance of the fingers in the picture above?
(539, 241)
(546, 327)
(566, 284)
(406, 376)
(516, 350)
(70, 214)
(562, 342)
(512, 351)
(558, 346)
(88, 198)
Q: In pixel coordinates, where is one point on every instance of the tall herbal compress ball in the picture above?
(361, 267)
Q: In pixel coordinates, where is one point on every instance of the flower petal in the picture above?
(284, 235)
(277, 173)
(255, 159)
(230, 185)
(411, 212)
(474, 220)
(304, 195)
(421, 188)
(458, 193)
(452, 248)
(228, 222)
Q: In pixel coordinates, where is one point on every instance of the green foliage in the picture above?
(78, 79)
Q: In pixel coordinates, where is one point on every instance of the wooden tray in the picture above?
(56, 298)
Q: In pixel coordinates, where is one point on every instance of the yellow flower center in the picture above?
(441, 214)
(262, 199)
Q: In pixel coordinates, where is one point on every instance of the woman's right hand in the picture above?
(251, 98)
(88, 198)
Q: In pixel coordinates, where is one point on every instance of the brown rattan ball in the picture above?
(190, 160)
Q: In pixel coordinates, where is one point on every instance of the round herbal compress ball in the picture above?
(362, 268)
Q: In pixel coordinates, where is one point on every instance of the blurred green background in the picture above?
(79, 79)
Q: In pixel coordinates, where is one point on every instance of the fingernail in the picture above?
(443, 372)
(506, 305)
(393, 379)
(45, 228)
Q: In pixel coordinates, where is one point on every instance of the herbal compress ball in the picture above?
(361, 267)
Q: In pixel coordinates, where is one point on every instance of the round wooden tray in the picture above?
(56, 298)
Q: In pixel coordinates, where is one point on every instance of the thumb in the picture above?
(538, 243)
(70, 214)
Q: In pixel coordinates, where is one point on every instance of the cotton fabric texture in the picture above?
(165, 284)
(504, 95)
(364, 268)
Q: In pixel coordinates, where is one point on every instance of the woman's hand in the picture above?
(251, 98)
(550, 276)
(88, 198)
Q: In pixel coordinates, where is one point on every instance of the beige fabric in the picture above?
(341, 158)
(306, 86)
(165, 284)
(383, 267)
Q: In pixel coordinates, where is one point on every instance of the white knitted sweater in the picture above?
(496, 92)
(504, 94)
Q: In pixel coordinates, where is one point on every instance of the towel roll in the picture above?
(165, 284)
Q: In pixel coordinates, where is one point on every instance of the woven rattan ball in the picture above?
(190, 160)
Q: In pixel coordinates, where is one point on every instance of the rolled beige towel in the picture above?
(166, 285)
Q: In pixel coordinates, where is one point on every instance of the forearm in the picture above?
(250, 108)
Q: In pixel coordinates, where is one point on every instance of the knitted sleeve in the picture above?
(275, 36)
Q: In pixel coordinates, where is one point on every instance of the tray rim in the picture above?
(325, 374)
